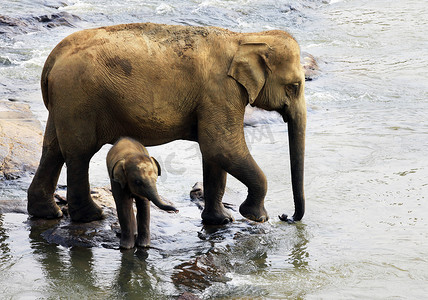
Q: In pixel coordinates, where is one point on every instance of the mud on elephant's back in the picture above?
(20, 140)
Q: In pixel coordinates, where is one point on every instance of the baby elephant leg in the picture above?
(125, 213)
(143, 221)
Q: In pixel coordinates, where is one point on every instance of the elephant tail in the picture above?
(50, 61)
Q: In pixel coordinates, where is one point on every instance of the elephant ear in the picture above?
(155, 162)
(249, 67)
(118, 173)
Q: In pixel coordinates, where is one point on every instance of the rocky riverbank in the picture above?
(20, 140)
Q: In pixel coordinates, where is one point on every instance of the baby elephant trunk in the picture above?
(157, 200)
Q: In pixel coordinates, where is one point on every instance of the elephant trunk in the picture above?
(157, 200)
(296, 137)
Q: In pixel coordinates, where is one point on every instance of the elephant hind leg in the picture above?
(79, 142)
(81, 207)
(41, 203)
(214, 212)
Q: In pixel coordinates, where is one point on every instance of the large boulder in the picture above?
(20, 140)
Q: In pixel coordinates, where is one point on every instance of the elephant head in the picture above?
(269, 70)
(139, 173)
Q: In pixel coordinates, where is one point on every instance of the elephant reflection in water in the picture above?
(4, 246)
(133, 279)
(64, 268)
(91, 269)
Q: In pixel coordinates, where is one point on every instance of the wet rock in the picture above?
(310, 66)
(64, 232)
(21, 25)
(11, 22)
(197, 197)
(93, 234)
(13, 206)
(58, 19)
(11, 25)
(20, 140)
(188, 296)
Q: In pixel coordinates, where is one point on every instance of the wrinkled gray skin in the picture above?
(133, 174)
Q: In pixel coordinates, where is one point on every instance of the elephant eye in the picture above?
(138, 182)
(293, 89)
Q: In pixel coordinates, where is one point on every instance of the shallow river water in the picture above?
(365, 231)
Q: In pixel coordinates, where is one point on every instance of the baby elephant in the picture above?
(133, 174)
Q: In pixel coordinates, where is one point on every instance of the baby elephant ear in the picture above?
(119, 173)
(155, 162)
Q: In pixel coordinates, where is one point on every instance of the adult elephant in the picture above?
(159, 83)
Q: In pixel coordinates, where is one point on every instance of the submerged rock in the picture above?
(197, 195)
(20, 140)
(22, 25)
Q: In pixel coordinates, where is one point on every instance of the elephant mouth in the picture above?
(284, 114)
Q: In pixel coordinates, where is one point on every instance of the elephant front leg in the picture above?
(214, 212)
(143, 221)
(125, 213)
(246, 170)
(81, 207)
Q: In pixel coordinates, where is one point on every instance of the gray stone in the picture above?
(64, 232)
(20, 140)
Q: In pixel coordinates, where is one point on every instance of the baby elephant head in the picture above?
(139, 174)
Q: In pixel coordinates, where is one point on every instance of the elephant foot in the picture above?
(253, 212)
(216, 216)
(46, 209)
(143, 241)
(127, 242)
(84, 214)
